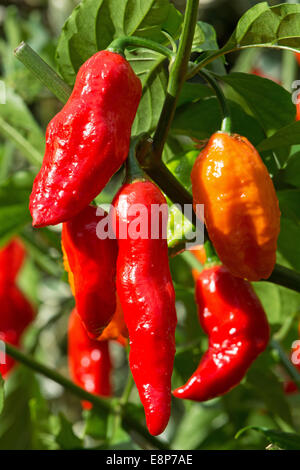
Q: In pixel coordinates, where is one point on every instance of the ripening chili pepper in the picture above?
(116, 329)
(232, 316)
(91, 263)
(89, 360)
(88, 140)
(16, 314)
(241, 208)
(11, 259)
(147, 296)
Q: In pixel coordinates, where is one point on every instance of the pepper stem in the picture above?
(119, 45)
(133, 171)
(211, 255)
(226, 118)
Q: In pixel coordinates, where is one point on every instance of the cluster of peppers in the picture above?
(123, 286)
(16, 311)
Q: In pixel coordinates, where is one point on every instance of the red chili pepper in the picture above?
(232, 316)
(16, 315)
(88, 140)
(91, 263)
(146, 292)
(89, 360)
(11, 260)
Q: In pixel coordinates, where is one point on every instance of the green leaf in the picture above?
(65, 437)
(267, 25)
(284, 137)
(199, 120)
(192, 92)
(14, 212)
(17, 114)
(205, 38)
(181, 167)
(264, 26)
(267, 386)
(93, 24)
(288, 241)
(289, 203)
(269, 102)
(283, 440)
(149, 67)
(16, 428)
(196, 424)
(95, 424)
(42, 435)
(291, 172)
(270, 299)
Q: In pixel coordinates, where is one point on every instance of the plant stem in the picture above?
(192, 261)
(281, 275)
(226, 119)
(127, 390)
(210, 58)
(285, 361)
(99, 403)
(285, 277)
(9, 132)
(178, 70)
(40, 69)
(120, 44)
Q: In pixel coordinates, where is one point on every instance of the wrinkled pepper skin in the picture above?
(241, 208)
(11, 260)
(16, 314)
(232, 316)
(147, 297)
(88, 140)
(91, 263)
(89, 360)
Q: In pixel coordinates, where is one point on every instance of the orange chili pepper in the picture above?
(241, 208)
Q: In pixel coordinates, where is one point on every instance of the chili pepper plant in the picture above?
(122, 327)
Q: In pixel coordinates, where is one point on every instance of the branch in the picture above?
(178, 71)
(120, 44)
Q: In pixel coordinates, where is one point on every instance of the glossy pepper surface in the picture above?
(241, 208)
(232, 316)
(89, 360)
(91, 263)
(147, 297)
(88, 140)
